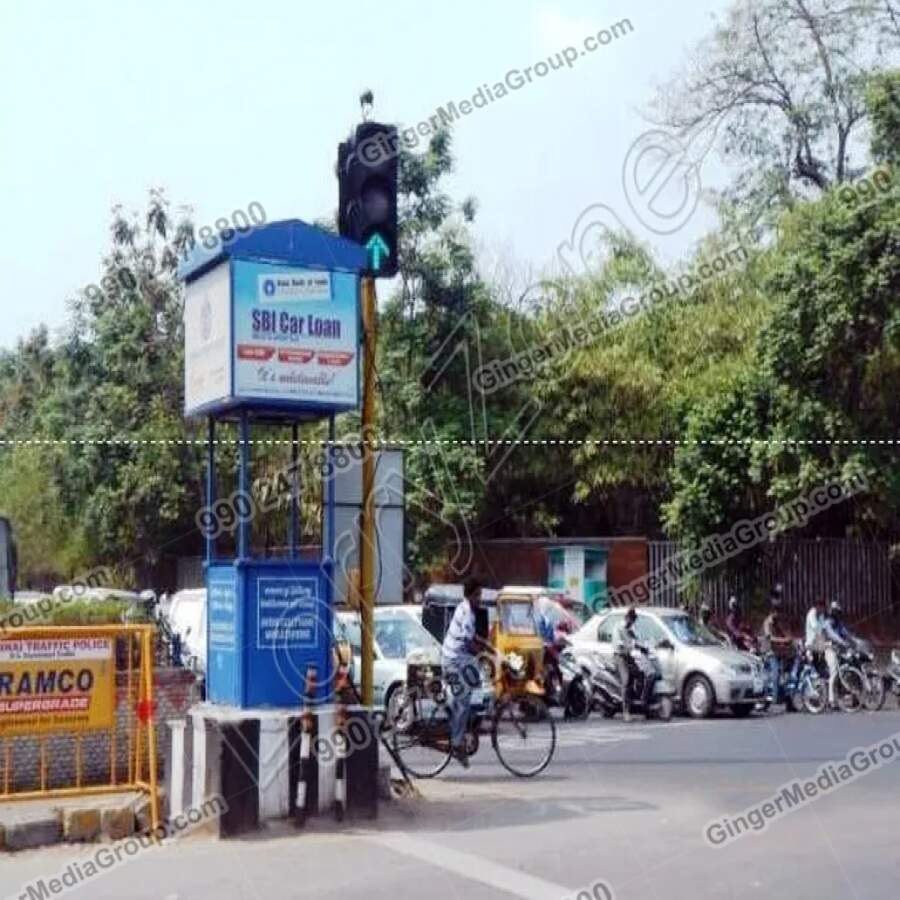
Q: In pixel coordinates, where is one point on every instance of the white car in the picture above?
(397, 636)
(186, 613)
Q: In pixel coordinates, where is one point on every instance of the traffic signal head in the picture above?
(367, 178)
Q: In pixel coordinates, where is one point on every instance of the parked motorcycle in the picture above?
(891, 677)
(804, 685)
(860, 683)
(608, 689)
(565, 682)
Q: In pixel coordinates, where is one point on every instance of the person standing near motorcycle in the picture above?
(837, 624)
(823, 640)
(774, 642)
(625, 644)
(737, 631)
(706, 621)
(460, 665)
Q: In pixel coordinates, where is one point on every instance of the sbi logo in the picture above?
(269, 287)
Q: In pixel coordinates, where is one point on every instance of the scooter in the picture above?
(608, 689)
(564, 680)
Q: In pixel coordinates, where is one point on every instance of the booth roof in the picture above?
(290, 242)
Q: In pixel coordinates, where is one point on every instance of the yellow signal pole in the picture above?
(367, 525)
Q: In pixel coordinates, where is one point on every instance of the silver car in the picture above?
(705, 674)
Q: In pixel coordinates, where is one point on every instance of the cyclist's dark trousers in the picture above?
(623, 664)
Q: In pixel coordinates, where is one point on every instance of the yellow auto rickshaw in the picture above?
(519, 647)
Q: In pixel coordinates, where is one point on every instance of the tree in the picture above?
(786, 79)
(433, 332)
(824, 387)
(883, 98)
(122, 468)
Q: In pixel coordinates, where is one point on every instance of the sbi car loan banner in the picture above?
(296, 335)
(65, 684)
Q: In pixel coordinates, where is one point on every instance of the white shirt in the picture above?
(623, 641)
(460, 634)
(814, 625)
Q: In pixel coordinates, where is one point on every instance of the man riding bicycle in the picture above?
(461, 672)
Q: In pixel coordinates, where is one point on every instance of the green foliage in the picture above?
(109, 611)
(826, 374)
(116, 376)
(49, 542)
(883, 101)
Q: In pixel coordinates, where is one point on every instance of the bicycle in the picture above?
(522, 729)
(523, 733)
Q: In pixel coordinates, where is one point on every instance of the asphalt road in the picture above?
(626, 805)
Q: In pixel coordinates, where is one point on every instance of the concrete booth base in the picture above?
(263, 768)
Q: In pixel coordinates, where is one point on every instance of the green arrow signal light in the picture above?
(377, 249)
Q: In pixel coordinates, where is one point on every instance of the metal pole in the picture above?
(210, 485)
(329, 537)
(295, 492)
(244, 485)
(367, 525)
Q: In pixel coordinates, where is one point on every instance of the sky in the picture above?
(223, 104)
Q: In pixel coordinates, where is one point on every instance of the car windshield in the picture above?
(398, 636)
(689, 631)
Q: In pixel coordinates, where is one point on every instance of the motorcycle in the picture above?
(891, 679)
(607, 689)
(564, 680)
(804, 685)
(859, 684)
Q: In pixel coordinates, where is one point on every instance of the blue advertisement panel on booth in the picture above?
(296, 335)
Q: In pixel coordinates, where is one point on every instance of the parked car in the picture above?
(398, 635)
(705, 674)
(185, 612)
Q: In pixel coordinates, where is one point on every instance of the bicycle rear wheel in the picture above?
(851, 688)
(421, 738)
(524, 736)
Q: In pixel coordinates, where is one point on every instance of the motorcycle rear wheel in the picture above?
(876, 693)
(665, 709)
(578, 703)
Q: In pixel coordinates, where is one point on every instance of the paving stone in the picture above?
(81, 824)
(36, 832)
(117, 823)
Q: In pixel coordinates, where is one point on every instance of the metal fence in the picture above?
(64, 704)
(856, 573)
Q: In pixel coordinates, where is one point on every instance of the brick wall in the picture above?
(524, 560)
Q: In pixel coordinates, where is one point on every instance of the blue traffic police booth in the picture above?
(272, 337)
